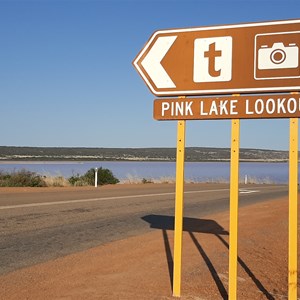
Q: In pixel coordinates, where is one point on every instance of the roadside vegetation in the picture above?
(105, 176)
(24, 178)
(21, 178)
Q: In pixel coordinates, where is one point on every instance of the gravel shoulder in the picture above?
(141, 267)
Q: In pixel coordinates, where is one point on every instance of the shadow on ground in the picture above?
(193, 225)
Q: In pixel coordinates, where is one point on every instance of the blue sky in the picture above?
(67, 80)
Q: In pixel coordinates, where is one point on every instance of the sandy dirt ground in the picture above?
(141, 267)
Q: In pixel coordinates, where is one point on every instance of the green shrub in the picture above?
(105, 176)
(89, 177)
(74, 179)
(145, 180)
(21, 178)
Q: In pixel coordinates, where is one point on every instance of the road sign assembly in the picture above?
(227, 60)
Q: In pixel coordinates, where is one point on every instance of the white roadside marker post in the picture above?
(96, 177)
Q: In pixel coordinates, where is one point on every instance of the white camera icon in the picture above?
(278, 56)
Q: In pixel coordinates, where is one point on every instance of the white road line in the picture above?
(245, 191)
(242, 191)
(101, 199)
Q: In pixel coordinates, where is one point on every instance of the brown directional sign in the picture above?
(242, 58)
(231, 107)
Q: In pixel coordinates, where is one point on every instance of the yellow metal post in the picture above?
(234, 196)
(293, 208)
(178, 208)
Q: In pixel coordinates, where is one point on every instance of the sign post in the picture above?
(179, 208)
(293, 208)
(234, 198)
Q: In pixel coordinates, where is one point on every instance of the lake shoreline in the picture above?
(3, 162)
(144, 171)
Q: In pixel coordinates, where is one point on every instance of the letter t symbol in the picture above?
(211, 54)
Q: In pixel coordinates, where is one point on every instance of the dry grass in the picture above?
(57, 181)
(130, 179)
(255, 180)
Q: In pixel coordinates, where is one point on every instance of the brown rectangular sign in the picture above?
(231, 107)
(225, 59)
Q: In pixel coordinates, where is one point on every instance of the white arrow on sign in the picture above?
(152, 62)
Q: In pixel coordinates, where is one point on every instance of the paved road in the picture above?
(43, 224)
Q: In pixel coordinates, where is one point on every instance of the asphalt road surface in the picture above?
(43, 224)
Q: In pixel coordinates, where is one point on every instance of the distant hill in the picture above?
(135, 154)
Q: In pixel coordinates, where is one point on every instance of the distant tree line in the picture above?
(135, 154)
